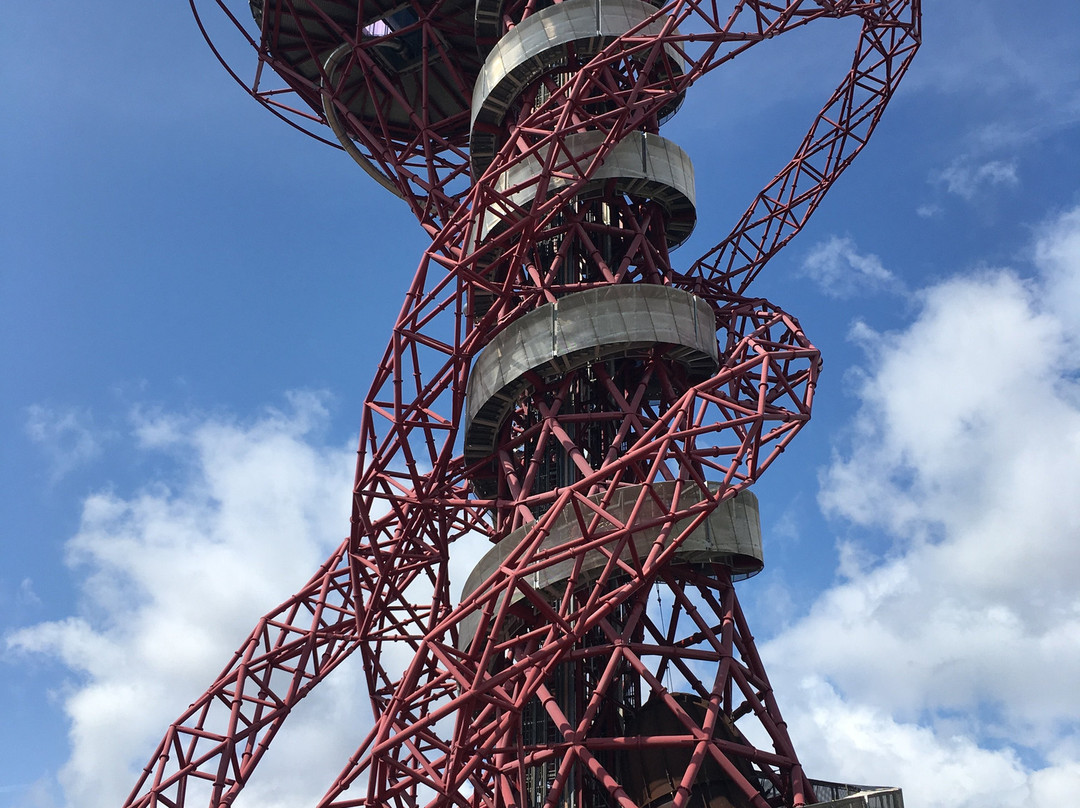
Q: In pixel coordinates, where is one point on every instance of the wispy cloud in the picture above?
(837, 266)
(39, 794)
(65, 435)
(26, 595)
(998, 76)
(967, 179)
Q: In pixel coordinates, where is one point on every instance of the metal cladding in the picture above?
(642, 164)
(592, 326)
(556, 384)
(545, 42)
(729, 535)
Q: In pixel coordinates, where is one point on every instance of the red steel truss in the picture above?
(555, 383)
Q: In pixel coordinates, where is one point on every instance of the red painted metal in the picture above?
(457, 718)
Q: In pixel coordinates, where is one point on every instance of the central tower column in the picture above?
(621, 643)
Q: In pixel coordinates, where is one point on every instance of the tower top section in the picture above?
(395, 69)
(424, 94)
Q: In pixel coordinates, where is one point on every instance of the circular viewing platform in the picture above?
(427, 64)
(542, 43)
(729, 535)
(594, 325)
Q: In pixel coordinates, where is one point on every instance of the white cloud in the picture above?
(965, 633)
(26, 595)
(841, 270)
(174, 577)
(857, 743)
(967, 179)
(1056, 253)
(66, 436)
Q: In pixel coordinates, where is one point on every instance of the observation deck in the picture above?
(541, 44)
(401, 68)
(730, 535)
(591, 326)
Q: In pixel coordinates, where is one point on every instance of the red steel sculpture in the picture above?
(555, 383)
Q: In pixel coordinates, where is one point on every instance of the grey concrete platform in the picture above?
(542, 43)
(597, 324)
(730, 535)
(642, 164)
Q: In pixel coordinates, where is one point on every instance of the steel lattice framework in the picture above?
(554, 383)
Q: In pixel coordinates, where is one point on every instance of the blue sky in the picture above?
(193, 297)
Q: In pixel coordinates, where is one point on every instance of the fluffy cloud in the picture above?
(965, 631)
(841, 270)
(175, 576)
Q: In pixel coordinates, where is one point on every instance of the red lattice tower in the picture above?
(555, 383)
